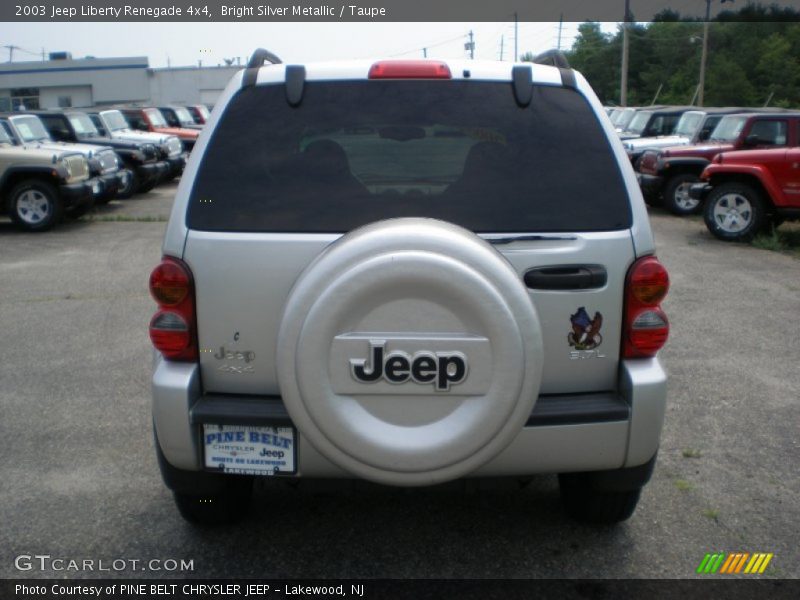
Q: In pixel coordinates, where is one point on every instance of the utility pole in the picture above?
(623, 86)
(516, 37)
(704, 56)
(560, 27)
(470, 45)
(502, 39)
(11, 49)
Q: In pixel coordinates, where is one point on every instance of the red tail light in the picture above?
(409, 69)
(172, 328)
(646, 327)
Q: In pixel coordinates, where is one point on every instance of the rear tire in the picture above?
(35, 205)
(584, 503)
(676, 195)
(734, 212)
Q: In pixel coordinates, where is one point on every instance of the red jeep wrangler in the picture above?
(151, 119)
(747, 192)
(670, 172)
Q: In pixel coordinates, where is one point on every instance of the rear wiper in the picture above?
(499, 241)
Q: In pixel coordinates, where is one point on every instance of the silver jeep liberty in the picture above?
(408, 272)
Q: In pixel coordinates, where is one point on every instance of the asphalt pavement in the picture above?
(80, 481)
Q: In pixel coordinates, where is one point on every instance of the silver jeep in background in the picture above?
(408, 272)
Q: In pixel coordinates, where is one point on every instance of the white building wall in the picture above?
(109, 80)
(189, 85)
(102, 81)
(79, 96)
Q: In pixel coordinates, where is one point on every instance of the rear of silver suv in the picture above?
(408, 272)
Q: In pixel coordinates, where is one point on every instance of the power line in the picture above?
(429, 46)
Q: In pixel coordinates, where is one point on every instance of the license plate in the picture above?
(95, 188)
(249, 449)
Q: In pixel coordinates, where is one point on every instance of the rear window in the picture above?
(357, 152)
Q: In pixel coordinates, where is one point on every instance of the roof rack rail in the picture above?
(554, 58)
(259, 56)
(256, 61)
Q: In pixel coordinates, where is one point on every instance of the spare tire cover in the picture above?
(410, 352)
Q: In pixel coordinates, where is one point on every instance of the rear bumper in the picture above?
(651, 185)
(565, 433)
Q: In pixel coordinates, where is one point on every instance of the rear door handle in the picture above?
(566, 277)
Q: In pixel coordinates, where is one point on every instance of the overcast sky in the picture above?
(186, 43)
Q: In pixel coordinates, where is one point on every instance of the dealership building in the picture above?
(83, 82)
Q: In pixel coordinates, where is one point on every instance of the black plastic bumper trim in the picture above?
(576, 409)
(224, 409)
(567, 409)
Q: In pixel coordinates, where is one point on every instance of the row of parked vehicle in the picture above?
(739, 166)
(57, 164)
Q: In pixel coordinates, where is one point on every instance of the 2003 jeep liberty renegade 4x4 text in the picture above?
(408, 272)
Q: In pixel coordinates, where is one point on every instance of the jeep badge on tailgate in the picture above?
(440, 368)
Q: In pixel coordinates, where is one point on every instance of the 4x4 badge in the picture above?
(585, 334)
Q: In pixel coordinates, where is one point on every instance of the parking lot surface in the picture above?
(80, 479)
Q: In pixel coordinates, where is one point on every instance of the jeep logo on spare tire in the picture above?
(442, 369)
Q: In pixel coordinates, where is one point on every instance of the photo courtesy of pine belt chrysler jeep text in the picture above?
(408, 272)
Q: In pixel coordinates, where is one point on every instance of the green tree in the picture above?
(752, 52)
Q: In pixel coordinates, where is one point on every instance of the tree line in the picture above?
(753, 59)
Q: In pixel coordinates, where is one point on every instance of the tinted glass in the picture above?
(358, 152)
(136, 120)
(169, 117)
(56, 127)
(771, 133)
